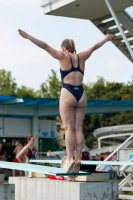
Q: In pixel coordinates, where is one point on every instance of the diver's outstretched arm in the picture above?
(86, 54)
(53, 52)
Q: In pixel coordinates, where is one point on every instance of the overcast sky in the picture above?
(31, 65)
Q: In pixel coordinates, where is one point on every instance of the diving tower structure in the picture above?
(109, 16)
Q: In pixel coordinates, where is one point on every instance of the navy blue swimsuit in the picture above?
(31, 154)
(76, 91)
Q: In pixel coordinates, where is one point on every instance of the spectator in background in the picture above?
(30, 151)
(16, 151)
(18, 148)
(57, 157)
(49, 153)
(85, 154)
(94, 157)
(9, 151)
(93, 167)
(2, 153)
(107, 168)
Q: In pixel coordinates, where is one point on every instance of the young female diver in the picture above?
(73, 97)
(29, 151)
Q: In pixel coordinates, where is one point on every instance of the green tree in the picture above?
(105, 90)
(52, 87)
(25, 92)
(8, 86)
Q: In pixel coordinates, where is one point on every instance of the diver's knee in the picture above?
(69, 128)
(78, 129)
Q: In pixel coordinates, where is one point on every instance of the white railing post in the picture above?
(99, 144)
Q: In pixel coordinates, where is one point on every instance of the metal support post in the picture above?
(35, 127)
(99, 144)
(119, 27)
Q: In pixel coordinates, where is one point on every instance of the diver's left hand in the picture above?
(109, 37)
(23, 34)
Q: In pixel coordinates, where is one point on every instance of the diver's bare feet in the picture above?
(76, 167)
(70, 166)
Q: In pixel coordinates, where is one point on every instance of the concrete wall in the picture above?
(45, 189)
(7, 192)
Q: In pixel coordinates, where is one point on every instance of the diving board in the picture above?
(86, 162)
(40, 169)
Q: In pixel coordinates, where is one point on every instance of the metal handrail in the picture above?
(47, 2)
(116, 150)
(108, 165)
(111, 136)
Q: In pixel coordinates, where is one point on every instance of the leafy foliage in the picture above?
(52, 87)
(8, 85)
(103, 90)
(27, 92)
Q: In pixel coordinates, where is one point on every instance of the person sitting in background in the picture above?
(16, 151)
(93, 167)
(18, 148)
(85, 154)
(107, 168)
(9, 151)
(2, 153)
(49, 154)
(2, 156)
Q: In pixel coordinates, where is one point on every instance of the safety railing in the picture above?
(46, 2)
(105, 166)
(125, 142)
(111, 136)
(127, 177)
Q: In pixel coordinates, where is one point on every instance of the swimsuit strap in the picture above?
(78, 67)
(70, 59)
(78, 60)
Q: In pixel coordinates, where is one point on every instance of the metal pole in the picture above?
(35, 127)
(114, 136)
(99, 143)
(119, 27)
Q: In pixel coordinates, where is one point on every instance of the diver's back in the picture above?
(71, 71)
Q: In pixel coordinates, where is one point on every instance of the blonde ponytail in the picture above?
(69, 44)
